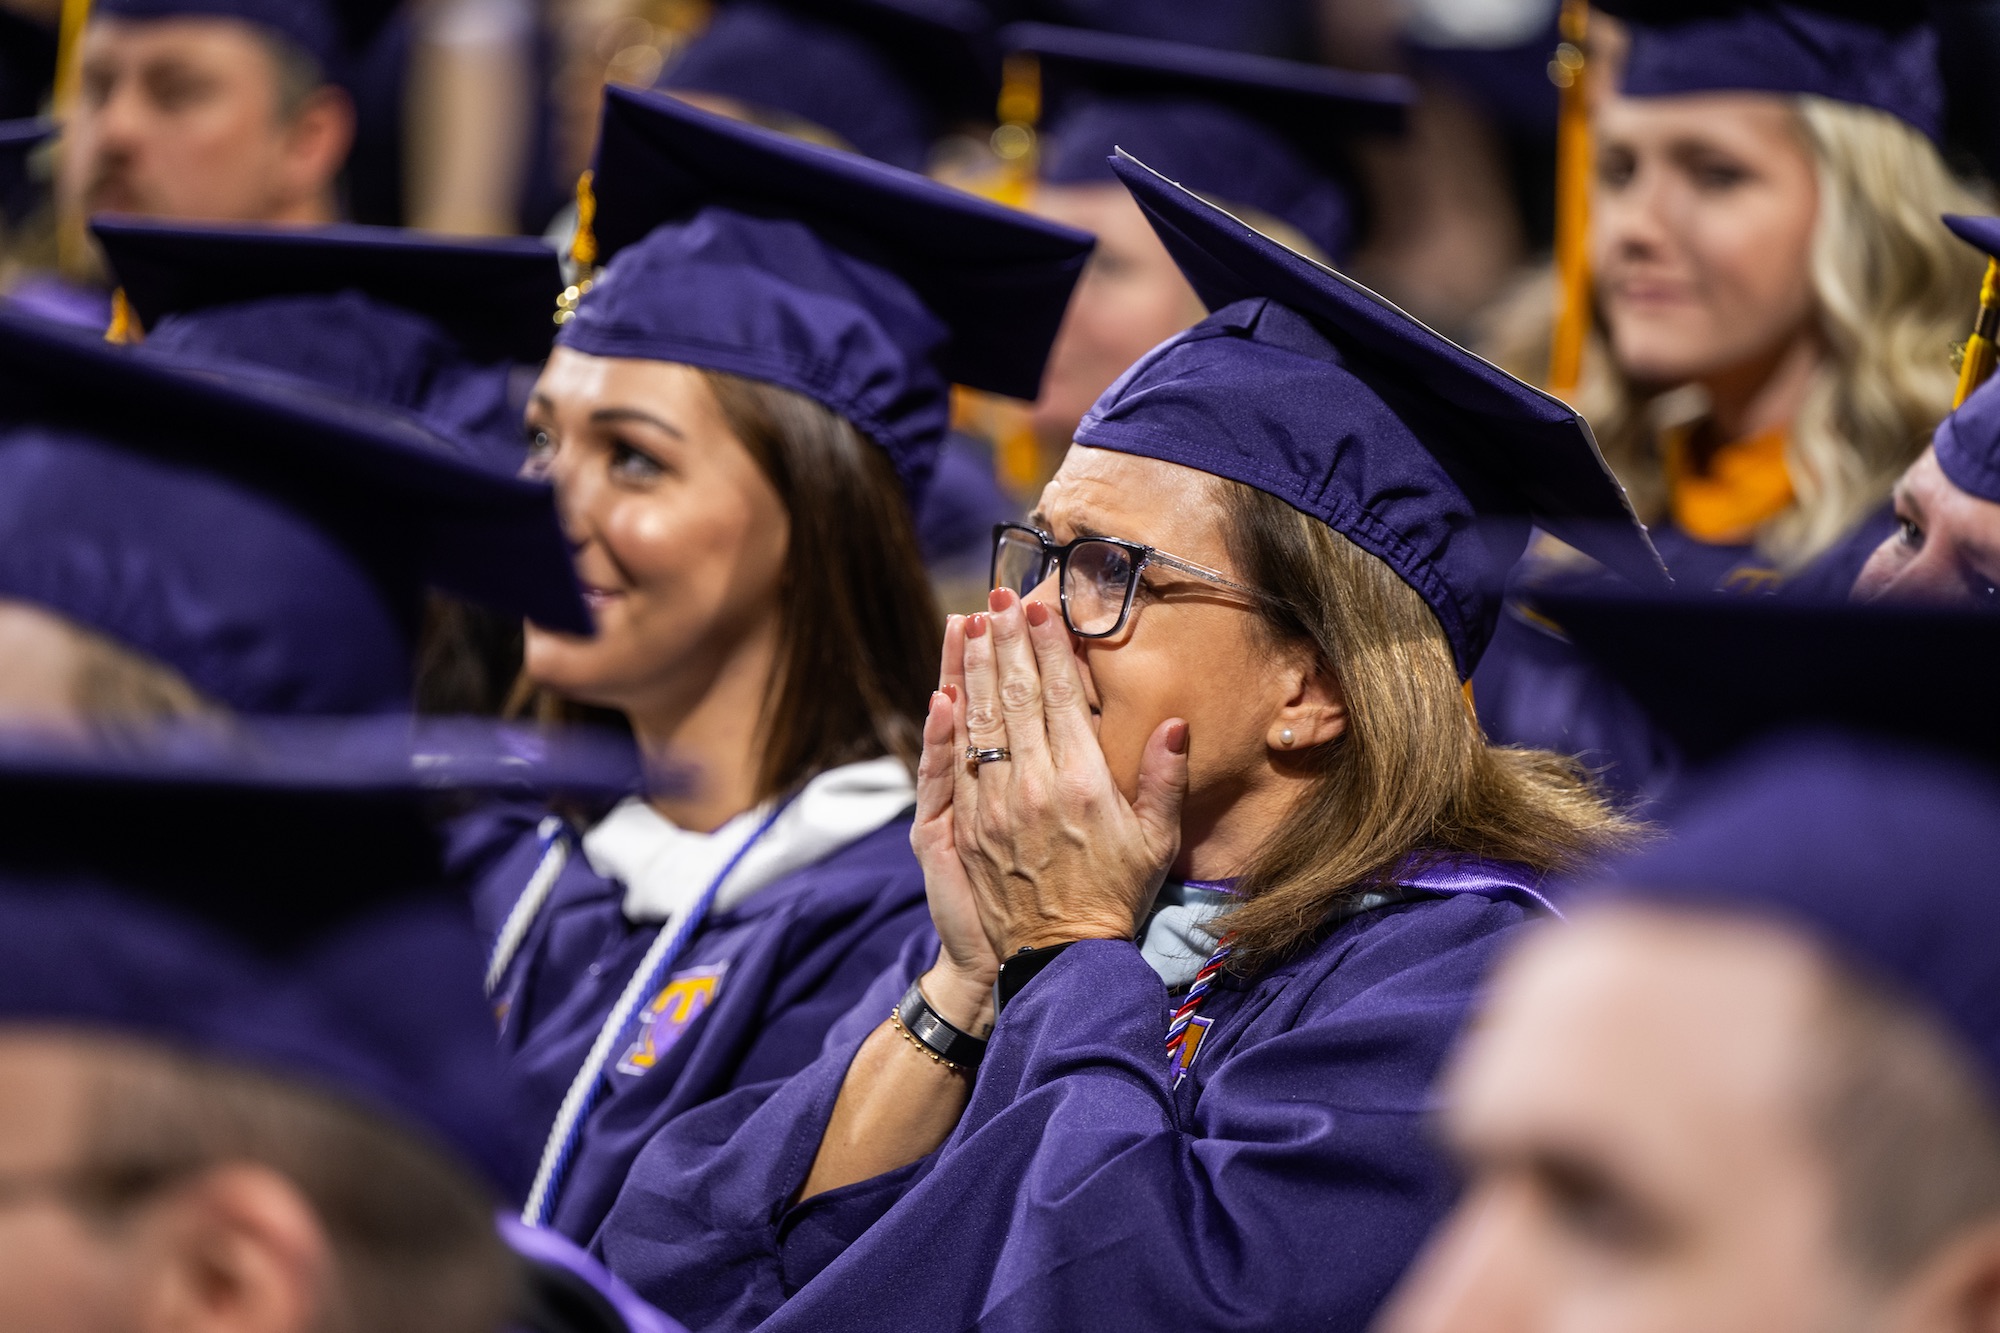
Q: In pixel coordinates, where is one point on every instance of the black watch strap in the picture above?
(1021, 969)
(935, 1034)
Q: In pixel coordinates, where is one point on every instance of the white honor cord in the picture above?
(585, 1082)
(665, 949)
(529, 905)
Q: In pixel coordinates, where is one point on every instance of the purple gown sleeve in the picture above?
(701, 1227)
(1285, 1184)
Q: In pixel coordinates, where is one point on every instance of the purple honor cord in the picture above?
(588, 1085)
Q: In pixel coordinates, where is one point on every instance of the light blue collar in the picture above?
(1175, 939)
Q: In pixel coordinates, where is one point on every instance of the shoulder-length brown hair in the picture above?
(1413, 772)
(860, 633)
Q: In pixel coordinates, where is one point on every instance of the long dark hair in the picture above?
(860, 629)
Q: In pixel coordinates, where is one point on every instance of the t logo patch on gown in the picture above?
(1188, 1047)
(684, 998)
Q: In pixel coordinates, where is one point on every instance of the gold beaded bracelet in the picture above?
(896, 1022)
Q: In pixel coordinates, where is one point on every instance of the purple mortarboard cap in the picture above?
(1308, 386)
(362, 977)
(1881, 55)
(1247, 130)
(1716, 672)
(866, 288)
(1967, 442)
(888, 77)
(1882, 854)
(424, 324)
(329, 31)
(19, 139)
(270, 544)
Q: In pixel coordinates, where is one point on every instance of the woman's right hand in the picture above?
(960, 985)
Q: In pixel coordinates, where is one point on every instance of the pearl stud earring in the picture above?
(1285, 738)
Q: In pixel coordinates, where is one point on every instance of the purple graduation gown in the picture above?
(1533, 688)
(1285, 1183)
(751, 1000)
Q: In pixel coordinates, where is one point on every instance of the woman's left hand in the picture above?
(1053, 849)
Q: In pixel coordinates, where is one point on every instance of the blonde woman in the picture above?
(1776, 301)
(1214, 853)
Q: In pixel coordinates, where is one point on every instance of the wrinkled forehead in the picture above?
(1106, 493)
(1646, 1032)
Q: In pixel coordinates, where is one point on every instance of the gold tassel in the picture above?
(1981, 347)
(69, 53)
(1573, 177)
(124, 328)
(582, 250)
(1015, 142)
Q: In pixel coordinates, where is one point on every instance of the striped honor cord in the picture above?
(1178, 1029)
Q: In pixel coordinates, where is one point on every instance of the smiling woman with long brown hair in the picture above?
(736, 419)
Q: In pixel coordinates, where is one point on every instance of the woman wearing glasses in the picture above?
(1215, 851)
(735, 419)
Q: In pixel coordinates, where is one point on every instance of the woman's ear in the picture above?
(1313, 710)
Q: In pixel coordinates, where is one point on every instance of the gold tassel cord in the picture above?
(124, 327)
(1982, 349)
(1573, 174)
(1014, 142)
(582, 250)
(69, 53)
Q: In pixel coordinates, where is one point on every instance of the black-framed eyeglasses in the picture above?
(1099, 576)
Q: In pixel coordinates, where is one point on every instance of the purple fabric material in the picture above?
(383, 1011)
(775, 57)
(1210, 149)
(1968, 443)
(1790, 49)
(547, 1247)
(1104, 1196)
(1243, 129)
(788, 962)
(1309, 387)
(310, 25)
(1534, 688)
(867, 289)
(964, 502)
(260, 608)
(1883, 854)
(492, 297)
(362, 350)
(270, 542)
(45, 296)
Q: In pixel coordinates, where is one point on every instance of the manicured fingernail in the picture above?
(1177, 738)
(951, 693)
(953, 622)
(1038, 614)
(937, 695)
(975, 627)
(1000, 599)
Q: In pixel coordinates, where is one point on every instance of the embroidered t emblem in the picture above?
(684, 998)
(1185, 1050)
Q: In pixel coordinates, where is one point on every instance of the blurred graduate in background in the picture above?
(209, 110)
(172, 544)
(739, 418)
(1774, 288)
(1267, 139)
(224, 1107)
(1752, 1084)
